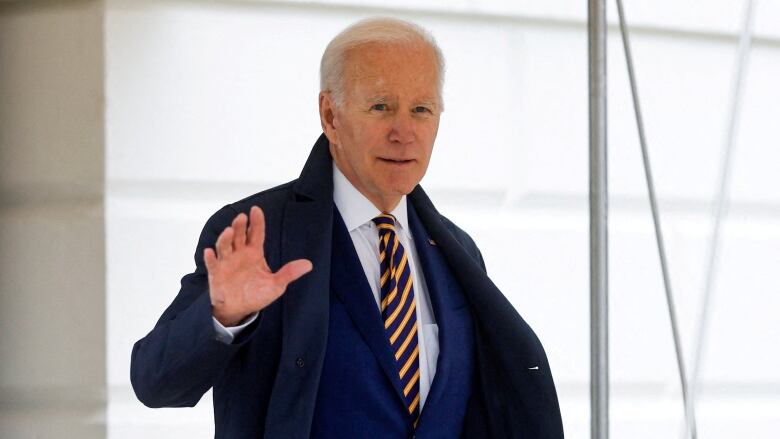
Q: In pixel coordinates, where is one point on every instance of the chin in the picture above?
(397, 185)
(403, 184)
(405, 189)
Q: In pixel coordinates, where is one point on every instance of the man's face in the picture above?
(382, 135)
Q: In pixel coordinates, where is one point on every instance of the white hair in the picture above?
(372, 30)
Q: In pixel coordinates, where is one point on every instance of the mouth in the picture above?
(397, 162)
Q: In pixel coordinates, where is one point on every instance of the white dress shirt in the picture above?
(358, 213)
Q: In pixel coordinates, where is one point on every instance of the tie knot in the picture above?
(385, 221)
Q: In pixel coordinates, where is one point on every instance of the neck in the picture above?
(385, 203)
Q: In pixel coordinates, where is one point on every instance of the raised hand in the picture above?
(240, 281)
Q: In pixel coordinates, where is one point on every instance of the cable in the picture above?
(690, 417)
(721, 202)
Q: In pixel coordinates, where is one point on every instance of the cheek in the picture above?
(370, 139)
(429, 137)
(375, 132)
(433, 127)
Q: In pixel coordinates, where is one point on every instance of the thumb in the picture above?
(293, 270)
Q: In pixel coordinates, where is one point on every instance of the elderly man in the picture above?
(342, 304)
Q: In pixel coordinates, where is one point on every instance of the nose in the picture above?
(402, 129)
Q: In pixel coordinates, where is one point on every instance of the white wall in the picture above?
(207, 102)
(217, 100)
(52, 254)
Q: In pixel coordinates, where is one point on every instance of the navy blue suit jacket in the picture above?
(265, 383)
(360, 392)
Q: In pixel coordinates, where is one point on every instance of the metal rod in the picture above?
(720, 208)
(599, 352)
(690, 417)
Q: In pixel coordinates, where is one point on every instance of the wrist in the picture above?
(228, 320)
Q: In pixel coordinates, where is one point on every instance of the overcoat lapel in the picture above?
(306, 233)
(489, 406)
(487, 302)
(508, 402)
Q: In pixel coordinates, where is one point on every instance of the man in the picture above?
(342, 304)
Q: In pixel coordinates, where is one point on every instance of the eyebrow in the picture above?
(383, 99)
(430, 103)
(380, 99)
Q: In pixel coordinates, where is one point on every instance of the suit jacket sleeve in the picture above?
(181, 358)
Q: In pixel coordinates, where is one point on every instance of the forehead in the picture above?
(396, 68)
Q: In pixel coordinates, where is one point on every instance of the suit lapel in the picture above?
(436, 289)
(351, 286)
(446, 297)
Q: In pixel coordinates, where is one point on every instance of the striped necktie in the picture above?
(399, 310)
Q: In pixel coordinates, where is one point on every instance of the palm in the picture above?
(240, 281)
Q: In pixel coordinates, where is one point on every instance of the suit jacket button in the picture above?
(299, 362)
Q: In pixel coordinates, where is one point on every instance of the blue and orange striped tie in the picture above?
(399, 310)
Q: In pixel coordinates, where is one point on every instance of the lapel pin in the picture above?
(534, 368)
(431, 241)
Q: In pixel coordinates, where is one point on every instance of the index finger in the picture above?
(256, 235)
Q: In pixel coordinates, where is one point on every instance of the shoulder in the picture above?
(434, 220)
(270, 200)
(464, 239)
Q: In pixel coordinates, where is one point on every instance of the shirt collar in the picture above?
(355, 208)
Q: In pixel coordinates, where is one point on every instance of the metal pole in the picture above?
(721, 202)
(690, 417)
(599, 354)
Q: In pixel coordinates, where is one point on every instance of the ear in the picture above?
(327, 117)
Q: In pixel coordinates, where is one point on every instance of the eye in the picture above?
(379, 107)
(421, 109)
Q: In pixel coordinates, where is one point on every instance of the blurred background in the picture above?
(125, 123)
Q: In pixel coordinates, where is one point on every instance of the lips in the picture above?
(396, 161)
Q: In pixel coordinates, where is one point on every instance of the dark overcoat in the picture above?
(265, 383)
